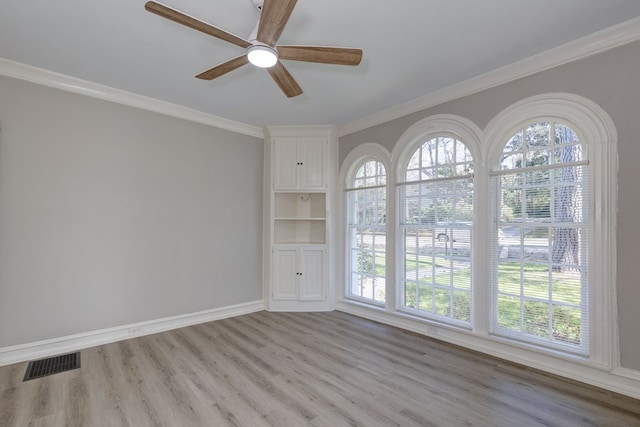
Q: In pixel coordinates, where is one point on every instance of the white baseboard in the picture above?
(627, 373)
(50, 347)
(298, 306)
(620, 380)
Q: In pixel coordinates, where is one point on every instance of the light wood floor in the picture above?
(282, 369)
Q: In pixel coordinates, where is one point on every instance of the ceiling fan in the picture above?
(262, 49)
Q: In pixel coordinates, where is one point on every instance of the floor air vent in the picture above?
(52, 365)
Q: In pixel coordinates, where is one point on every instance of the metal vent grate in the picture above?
(52, 365)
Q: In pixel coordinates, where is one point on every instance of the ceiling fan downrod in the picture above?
(260, 54)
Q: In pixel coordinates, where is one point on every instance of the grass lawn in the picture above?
(443, 288)
(380, 264)
(520, 310)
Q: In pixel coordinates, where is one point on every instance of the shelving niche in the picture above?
(300, 218)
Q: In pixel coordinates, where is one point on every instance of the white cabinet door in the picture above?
(286, 164)
(299, 164)
(299, 274)
(311, 154)
(285, 274)
(312, 283)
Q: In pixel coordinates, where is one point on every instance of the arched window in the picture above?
(539, 267)
(367, 231)
(552, 161)
(507, 235)
(436, 221)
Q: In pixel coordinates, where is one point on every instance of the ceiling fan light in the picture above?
(262, 56)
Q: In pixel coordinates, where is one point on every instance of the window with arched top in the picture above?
(540, 269)
(366, 198)
(507, 236)
(436, 222)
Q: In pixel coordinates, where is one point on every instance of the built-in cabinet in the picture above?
(299, 163)
(299, 273)
(299, 170)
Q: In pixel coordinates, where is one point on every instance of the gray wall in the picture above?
(111, 215)
(610, 79)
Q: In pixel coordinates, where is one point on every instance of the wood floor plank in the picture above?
(381, 388)
(301, 369)
(241, 396)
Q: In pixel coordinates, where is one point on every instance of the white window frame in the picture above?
(599, 139)
(466, 132)
(364, 152)
(494, 173)
(599, 135)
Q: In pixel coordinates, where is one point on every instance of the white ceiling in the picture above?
(411, 48)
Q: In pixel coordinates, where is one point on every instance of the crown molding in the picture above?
(608, 38)
(71, 84)
(298, 131)
(592, 44)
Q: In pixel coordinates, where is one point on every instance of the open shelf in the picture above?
(300, 205)
(299, 231)
(300, 218)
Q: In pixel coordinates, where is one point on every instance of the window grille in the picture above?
(367, 226)
(436, 227)
(539, 239)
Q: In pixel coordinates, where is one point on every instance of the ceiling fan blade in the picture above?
(223, 68)
(273, 18)
(284, 80)
(196, 24)
(325, 55)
